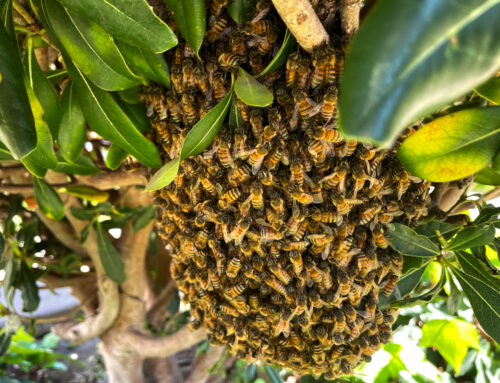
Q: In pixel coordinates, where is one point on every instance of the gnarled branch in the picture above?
(349, 15)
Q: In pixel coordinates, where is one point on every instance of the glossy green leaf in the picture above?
(56, 75)
(471, 237)
(83, 166)
(199, 137)
(43, 89)
(130, 95)
(72, 128)
(90, 47)
(487, 214)
(475, 267)
(146, 63)
(130, 21)
(447, 230)
(110, 258)
(411, 263)
(490, 90)
(11, 271)
(6, 17)
(191, 19)
(115, 157)
(427, 296)
(106, 117)
(86, 192)
(451, 337)
(26, 283)
(454, 146)
(392, 78)
(48, 200)
(235, 118)
(5, 154)
(250, 91)
(281, 56)
(484, 299)
(143, 217)
(241, 10)
(487, 176)
(407, 242)
(454, 297)
(17, 126)
(90, 213)
(136, 113)
(404, 287)
(272, 373)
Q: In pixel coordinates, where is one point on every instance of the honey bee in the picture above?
(237, 43)
(201, 79)
(242, 173)
(257, 123)
(228, 310)
(163, 133)
(176, 78)
(234, 291)
(257, 199)
(216, 29)
(368, 214)
(234, 267)
(230, 197)
(273, 283)
(380, 239)
(230, 60)
(218, 86)
(255, 61)
(268, 234)
(240, 230)
(188, 109)
(297, 172)
(281, 274)
(319, 72)
(304, 104)
(257, 157)
(244, 110)
(266, 42)
(298, 246)
(403, 183)
(273, 159)
(217, 6)
(174, 108)
(277, 203)
(390, 284)
(188, 74)
(297, 194)
(343, 204)
(330, 69)
(324, 216)
(224, 152)
(347, 149)
(201, 239)
(259, 27)
(317, 151)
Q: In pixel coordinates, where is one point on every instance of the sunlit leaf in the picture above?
(241, 10)
(454, 146)
(451, 337)
(130, 21)
(72, 129)
(199, 137)
(393, 367)
(471, 237)
(487, 176)
(407, 242)
(48, 200)
(110, 258)
(86, 192)
(191, 19)
(475, 267)
(17, 126)
(115, 157)
(106, 117)
(281, 56)
(391, 78)
(250, 91)
(90, 47)
(490, 90)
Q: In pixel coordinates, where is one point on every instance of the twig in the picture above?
(199, 367)
(303, 23)
(154, 347)
(23, 12)
(467, 205)
(349, 14)
(160, 302)
(110, 180)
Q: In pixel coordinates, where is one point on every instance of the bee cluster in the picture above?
(277, 229)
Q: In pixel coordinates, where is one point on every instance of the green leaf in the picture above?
(146, 63)
(6, 17)
(454, 298)
(411, 263)
(487, 214)
(490, 90)
(56, 75)
(88, 214)
(407, 242)
(106, 117)
(281, 56)
(136, 113)
(392, 79)
(390, 372)
(90, 47)
(86, 192)
(115, 157)
(241, 10)
(72, 128)
(43, 89)
(451, 337)
(484, 299)
(83, 165)
(199, 137)
(454, 146)
(130, 95)
(2, 246)
(471, 237)
(447, 230)
(48, 200)
(110, 259)
(4, 342)
(250, 91)
(235, 118)
(130, 21)
(5, 154)
(11, 271)
(273, 374)
(144, 215)
(473, 266)
(26, 283)
(17, 126)
(191, 20)
(487, 176)
(404, 287)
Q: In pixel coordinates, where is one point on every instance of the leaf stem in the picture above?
(23, 12)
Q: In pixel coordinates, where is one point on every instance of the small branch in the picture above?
(64, 233)
(154, 347)
(12, 188)
(349, 14)
(53, 281)
(303, 23)
(161, 301)
(110, 180)
(467, 205)
(23, 12)
(199, 367)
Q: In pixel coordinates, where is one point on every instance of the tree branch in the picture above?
(160, 302)
(154, 347)
(202, 363)
(110, 180)
(349, 14)
(303, 23)
(467, 205)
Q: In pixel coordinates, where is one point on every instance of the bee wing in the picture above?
(259, 16)
(294, 120)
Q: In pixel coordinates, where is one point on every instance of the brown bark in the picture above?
(349, 14)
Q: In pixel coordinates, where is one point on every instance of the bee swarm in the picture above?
(277, 229)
